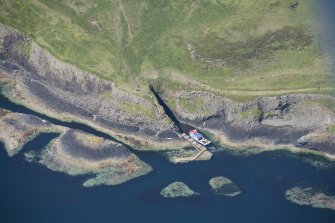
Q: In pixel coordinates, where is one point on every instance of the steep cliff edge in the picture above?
(38, 80)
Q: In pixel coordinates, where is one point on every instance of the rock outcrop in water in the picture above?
(311, 197)
(78, 153)
(58, 89)
(224, 186)
(177, 189)
(17, 129)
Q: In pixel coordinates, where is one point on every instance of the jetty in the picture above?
(202, 150)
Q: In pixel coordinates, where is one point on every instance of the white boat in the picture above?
(199, 137)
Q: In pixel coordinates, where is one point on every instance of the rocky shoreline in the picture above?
(73, 152)
(43, 83)
(301, 122)
(297, 122)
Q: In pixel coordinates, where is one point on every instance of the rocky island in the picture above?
(177, 189)
(311, 197)
(224, 186)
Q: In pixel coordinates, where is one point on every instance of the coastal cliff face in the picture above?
(58, 89)
(295, 120)
(37, 79)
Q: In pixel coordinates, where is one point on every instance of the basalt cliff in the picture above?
(40, 81)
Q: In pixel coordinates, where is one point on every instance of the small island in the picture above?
(311, 197)
(223, 186)
(178, 189)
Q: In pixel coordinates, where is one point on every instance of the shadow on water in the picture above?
(39, 142)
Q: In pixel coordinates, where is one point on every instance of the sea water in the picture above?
(29, 192)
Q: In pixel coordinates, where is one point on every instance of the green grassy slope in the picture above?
(241, 48)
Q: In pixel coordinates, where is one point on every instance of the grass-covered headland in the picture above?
(237, 48)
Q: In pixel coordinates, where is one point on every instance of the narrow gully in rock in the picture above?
(182, 127)
(166, 109)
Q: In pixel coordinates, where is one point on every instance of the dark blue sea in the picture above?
(31, 193)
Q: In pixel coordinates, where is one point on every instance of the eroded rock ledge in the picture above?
(311, 197)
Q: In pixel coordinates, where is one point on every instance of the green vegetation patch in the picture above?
(250, 113)
(331, 129)
(262, 47)
(193, 105)
(138, 110)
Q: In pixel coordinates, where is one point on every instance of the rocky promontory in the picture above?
(78, 153)
(177, 189)
(224, 186)
(311, 197)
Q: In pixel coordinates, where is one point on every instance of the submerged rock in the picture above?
(78, 153)
(17, 129)
(311, 197)
(224, 186)
(178, 189)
